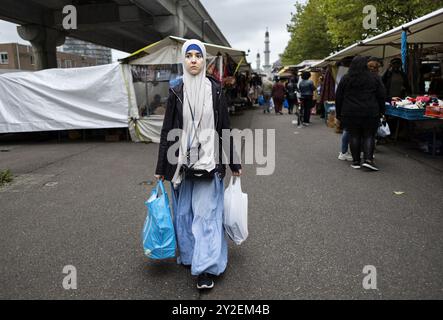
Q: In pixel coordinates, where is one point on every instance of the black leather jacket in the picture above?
(174, 120)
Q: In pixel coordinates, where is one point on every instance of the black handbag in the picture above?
(196, 174)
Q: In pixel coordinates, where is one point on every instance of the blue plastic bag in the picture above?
(261, 100)
(286, 104)
(158, 231)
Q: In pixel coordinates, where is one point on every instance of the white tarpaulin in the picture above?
(63, 99)
(146, 129)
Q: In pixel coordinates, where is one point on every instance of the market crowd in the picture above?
(361, 94)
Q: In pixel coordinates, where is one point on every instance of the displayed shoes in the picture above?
(370, 165)
(204, 281)
(345, 156)
(356, 165)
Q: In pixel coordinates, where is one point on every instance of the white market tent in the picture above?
(63, 99)
(168, 51)
(426, 30)
(164, 52)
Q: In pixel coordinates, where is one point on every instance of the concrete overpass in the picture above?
(125, 25)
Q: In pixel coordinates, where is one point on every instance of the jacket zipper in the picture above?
(216, 111)
(177, 96)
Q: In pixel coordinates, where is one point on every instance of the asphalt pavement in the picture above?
(314, 224)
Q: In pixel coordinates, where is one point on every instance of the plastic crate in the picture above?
(409, 114)
(434, 111)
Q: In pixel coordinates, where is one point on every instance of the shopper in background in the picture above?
(436, 86)
(360, 100)
(291, 93)
(396, 81)
(278, 95)
(374, 65)
(267, 93)
(319, 105)
(307, 88)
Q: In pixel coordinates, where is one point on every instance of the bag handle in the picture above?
(161, 186)
(234, 182)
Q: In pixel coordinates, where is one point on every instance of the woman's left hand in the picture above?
(236, 173)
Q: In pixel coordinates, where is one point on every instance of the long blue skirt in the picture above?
(198, 222)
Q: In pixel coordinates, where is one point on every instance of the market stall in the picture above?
(422, 109)
(419, 46)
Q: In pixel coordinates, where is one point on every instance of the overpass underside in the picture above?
(125, 25)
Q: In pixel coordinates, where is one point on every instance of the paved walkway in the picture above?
(314, 224)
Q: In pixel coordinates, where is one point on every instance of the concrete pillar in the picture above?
(44, 43)
(181, 28)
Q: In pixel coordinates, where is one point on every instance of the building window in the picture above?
(32, 59)
(4, 58)
(59, 63)
(68, 64)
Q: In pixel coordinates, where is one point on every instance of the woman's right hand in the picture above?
(158, 177)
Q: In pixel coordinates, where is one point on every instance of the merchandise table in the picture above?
(413, 115)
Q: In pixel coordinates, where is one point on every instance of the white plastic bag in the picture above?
(236, 211)
(383, 130)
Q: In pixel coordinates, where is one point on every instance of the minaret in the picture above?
(267, 67)
(258, 62)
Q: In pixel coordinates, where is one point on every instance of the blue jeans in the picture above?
(344, 141)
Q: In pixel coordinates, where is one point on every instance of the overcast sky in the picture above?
(243, 23)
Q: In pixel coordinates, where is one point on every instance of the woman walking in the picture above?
(197, 107)
(360, 101)
(278, 96)
(307, 88)
(291, 92)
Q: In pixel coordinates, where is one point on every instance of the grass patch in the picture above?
(5, 176)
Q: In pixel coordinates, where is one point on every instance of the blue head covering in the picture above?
(195, 47)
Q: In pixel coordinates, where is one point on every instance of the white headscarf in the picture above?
(193, 85)
(197, 96)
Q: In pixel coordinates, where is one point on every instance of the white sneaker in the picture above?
(345, 156)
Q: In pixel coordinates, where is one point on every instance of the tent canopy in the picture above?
(168, 51)
(427, 30)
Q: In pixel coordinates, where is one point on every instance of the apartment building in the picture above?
(14, 56)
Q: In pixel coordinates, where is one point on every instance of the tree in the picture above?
(345, 17)
(392, 13)
(344, 21)
(309, 37)
(322, 26)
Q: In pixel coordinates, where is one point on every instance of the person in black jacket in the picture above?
(360, 101)
(198, 108)
(396, 81)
